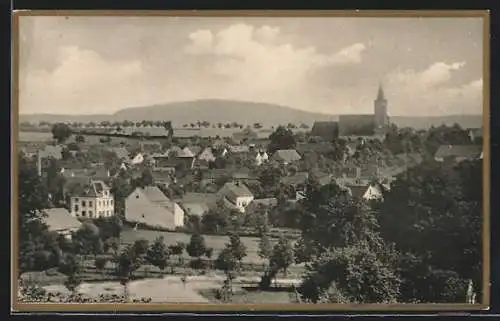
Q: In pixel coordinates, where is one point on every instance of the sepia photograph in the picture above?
(264, 160)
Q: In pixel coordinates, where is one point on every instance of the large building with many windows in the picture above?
(94, 200)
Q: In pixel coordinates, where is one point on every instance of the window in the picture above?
(90, 213)
(111, 202)
(77, 208)
(90, 203)
(137, 196)
(84, 213)
(76, 199)
(107, 203)
(84, 203)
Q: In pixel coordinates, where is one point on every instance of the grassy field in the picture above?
(34, 137)
(26, 136)
(217, 242)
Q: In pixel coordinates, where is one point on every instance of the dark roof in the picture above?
(297, 179)
(286, 155)
(51, 152)
(356, 125)
(327, 130)
(267, 202)
(121, 152)
(93, 189)
(58, 219)
(233, 190)
(467, 151)
(316, 147)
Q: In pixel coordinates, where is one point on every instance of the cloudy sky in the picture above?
(86, 65)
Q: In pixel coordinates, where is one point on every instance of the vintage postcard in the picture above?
(195, 161)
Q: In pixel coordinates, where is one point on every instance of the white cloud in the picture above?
(254, 58)
(82, 81)
(431, 92)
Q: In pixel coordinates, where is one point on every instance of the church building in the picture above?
(369, 126)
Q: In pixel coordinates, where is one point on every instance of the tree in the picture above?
(32, 199)
(356, 272)
(86, 239)
(70, 267)
(61, 132)
(112, 244)
(227, 262)
(158, 254)
(128, 263)
(265, 248)
(281, 138)
(438, 230)
(282, 255)
(236, 247)
(196, 247)
(346, 251)
(100, 263)
(177, 249)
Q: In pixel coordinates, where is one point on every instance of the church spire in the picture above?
(380, 95)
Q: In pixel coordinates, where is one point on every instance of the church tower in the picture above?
(380, 105)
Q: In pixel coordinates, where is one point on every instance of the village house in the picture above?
(239, 149)
(163, 177)
(44, 155)
(173, 151)
(137, 159)
(207, 155)
(149, 147)
(458, 153)
(121, 152)
(260, 157)
(476, 135)
(236, 196)
(61, 221)
(185, 157)
(262, 204)
(94, 200)
(198, 204)
(149, 206)
(286, 156)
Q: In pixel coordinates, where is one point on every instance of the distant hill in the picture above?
(246, 113)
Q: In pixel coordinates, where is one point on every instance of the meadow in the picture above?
(217, 242)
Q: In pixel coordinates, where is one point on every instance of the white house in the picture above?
(149, 206)
(207, 155)
(61, 221)
(236, 195)
(373, 192)
(261, 157)
(137, 159)
(93, 201)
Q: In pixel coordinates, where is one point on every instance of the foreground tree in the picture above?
(282, 256)
(438, 230)
(158, 254)
(32, 199)
(196, 247)
(61, 132)
(236, 247)
(281, 138)
(341, 235)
